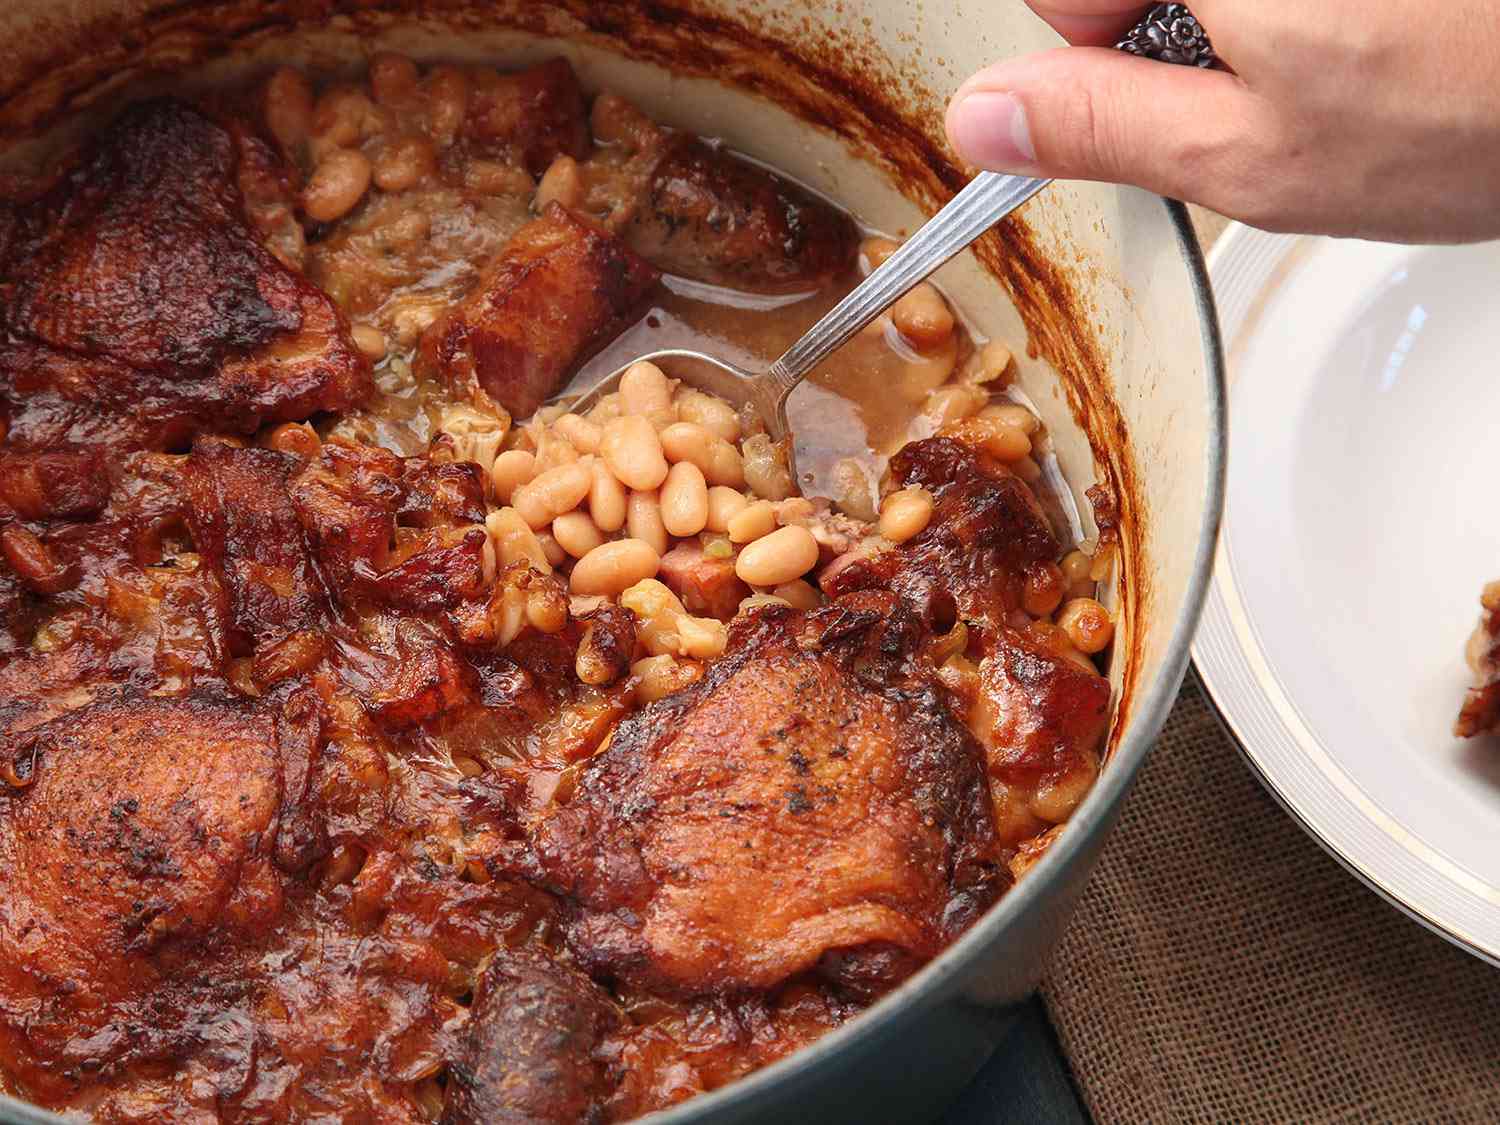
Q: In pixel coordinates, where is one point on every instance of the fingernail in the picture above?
(990, 130)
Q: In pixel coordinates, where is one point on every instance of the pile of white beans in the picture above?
(599, 500)
(607, 495)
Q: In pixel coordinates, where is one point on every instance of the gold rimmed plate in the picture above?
(1359, 529)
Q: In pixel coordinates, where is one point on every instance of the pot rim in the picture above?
(946, 974)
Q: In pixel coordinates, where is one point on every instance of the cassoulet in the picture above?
(382, 743)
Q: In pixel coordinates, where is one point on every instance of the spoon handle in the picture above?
(1168, 33)
(987, 199)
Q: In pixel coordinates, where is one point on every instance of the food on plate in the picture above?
(1480, 713)
(384, 740)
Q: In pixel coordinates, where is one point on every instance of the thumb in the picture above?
(1086, 113)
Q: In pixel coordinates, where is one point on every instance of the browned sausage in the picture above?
(558, 287)
(713, 217)
(529, 1052)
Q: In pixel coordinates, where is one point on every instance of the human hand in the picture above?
(1374, 118)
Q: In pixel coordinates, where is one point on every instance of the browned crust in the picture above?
(838, 83)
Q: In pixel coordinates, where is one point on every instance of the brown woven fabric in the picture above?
(1223, 968)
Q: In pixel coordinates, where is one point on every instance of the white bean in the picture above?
(606, 498)
(559, 490)
(779, 557)
(905, 514)
(515, 541)
(633, 452)
(752, 521)
(512, 469)
(723, 505)
(338, 182)
(644, 389)
(713, 414)
(702, 637)
(657, 612)
(612, 568)
(1012, 414)
(877, 250)
(719, 461)
(643, 520)
(684, 500)
(992, 365)
(576, 534)
(582, 434)
(923, 317)
(952, 404)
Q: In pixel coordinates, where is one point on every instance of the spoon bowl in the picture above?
(987, 199)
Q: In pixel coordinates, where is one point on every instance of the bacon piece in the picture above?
(559, 288)
(706, 586)
(139, 307)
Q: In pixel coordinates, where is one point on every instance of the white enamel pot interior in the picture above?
(1105, 285)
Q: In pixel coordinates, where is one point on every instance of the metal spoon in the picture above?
(1168, 33)
(987, 199)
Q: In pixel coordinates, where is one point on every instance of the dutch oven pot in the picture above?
(1105, 284)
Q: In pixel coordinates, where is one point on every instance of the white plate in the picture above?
(1362, 521)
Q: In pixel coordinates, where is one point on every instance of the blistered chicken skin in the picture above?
(810, 804)
(140, 851)
(140, 306)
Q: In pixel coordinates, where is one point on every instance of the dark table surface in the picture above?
(1025, 1083)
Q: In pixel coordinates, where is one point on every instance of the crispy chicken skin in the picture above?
(138, 857)
(532, 1049)
(139, 307)
(708, 215)
(1040, 716)
(811, 803)
(986, 528)
(559, 287)
(705, 585)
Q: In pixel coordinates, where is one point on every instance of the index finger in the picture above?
(1090, 23)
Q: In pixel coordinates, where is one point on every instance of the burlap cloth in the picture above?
(1223, 968)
